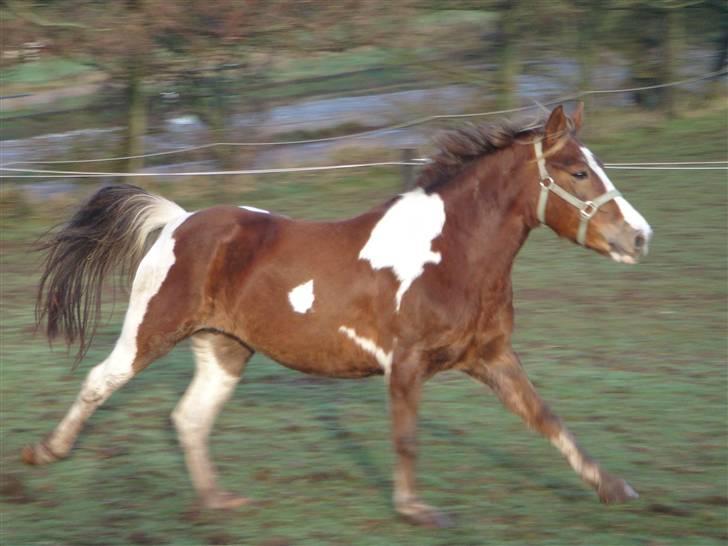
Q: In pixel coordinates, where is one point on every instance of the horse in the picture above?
(415, 286)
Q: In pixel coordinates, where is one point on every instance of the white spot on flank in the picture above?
(383, 358)
(254, 209)
(402, 239)
(302, 297)
(629, 213)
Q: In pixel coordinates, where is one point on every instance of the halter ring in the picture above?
(588, 210)
(547, 182)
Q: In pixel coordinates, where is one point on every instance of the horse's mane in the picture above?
(457, 148)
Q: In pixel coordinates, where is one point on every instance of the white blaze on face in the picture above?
(630, 215)
(383, 358)
(302, 297)
(402, 239)
(254, 209)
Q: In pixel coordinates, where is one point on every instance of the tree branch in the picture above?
(36, 19)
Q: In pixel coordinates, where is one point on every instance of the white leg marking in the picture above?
(586, 469)
(302, 297)
(381, 356)
(402, 239)
(196, 412)
(116, 370)
(629, 213)
(254, 209)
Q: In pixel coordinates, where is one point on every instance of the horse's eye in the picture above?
(580, 175)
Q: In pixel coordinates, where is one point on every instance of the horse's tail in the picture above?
(111, 229)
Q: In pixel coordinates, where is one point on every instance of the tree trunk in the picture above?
(136, 120)
(507, 57)
(587, 23)
(671, 37)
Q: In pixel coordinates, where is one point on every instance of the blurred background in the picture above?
(633, 358)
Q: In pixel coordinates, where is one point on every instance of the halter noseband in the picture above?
(587, 209)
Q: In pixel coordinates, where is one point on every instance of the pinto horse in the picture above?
(418, 285)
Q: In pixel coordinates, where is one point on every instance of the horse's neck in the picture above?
(487, 207)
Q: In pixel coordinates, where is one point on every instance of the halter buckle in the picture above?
(547, 182)
(588, 210)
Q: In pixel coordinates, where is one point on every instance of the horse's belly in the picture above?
(318, 361)
(317, 348)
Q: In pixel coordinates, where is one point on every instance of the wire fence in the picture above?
(402, 125)
(44, 173)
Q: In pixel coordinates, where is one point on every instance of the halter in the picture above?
(587, 209)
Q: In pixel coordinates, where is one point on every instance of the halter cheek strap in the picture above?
(587, 209)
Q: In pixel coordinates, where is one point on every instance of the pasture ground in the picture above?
(633, 358)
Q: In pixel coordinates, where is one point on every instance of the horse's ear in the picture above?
(557, 126)
(578, 116)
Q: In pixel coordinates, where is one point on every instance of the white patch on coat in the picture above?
(402, 239)
(629, 213)
(586, 469)
(254, 209)
(302, 297)
(150, 275)
(383, 358)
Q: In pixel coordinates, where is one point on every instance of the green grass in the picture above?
(633, 358)
(42, 72)
(437, 19)
(332, 63)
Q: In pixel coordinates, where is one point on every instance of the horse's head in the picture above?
(576, 198)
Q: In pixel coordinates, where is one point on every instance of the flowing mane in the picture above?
(458, 148)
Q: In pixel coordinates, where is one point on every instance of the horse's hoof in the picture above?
(424, 515)
(37, 454)
(223, 500)
(614, 490)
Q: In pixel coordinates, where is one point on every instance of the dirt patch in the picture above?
(668, 510)
(713, 500)
(140, 537)
(12, 489)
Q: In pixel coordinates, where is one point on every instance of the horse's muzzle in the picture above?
(630, 244)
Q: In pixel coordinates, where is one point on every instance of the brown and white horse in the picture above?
(415, 286)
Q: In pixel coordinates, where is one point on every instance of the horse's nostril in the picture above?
(639, 242)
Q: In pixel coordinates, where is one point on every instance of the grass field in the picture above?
(633, 358)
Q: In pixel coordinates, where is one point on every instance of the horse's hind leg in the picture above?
(105, 378)
(220, 362)
(506, 377)
(155, 321)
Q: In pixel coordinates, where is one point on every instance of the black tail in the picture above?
(110, 230)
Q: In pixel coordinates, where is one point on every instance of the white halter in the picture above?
(587, 209)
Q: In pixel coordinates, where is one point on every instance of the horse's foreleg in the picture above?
(508, 380)
(405, 387)
(220, 361)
